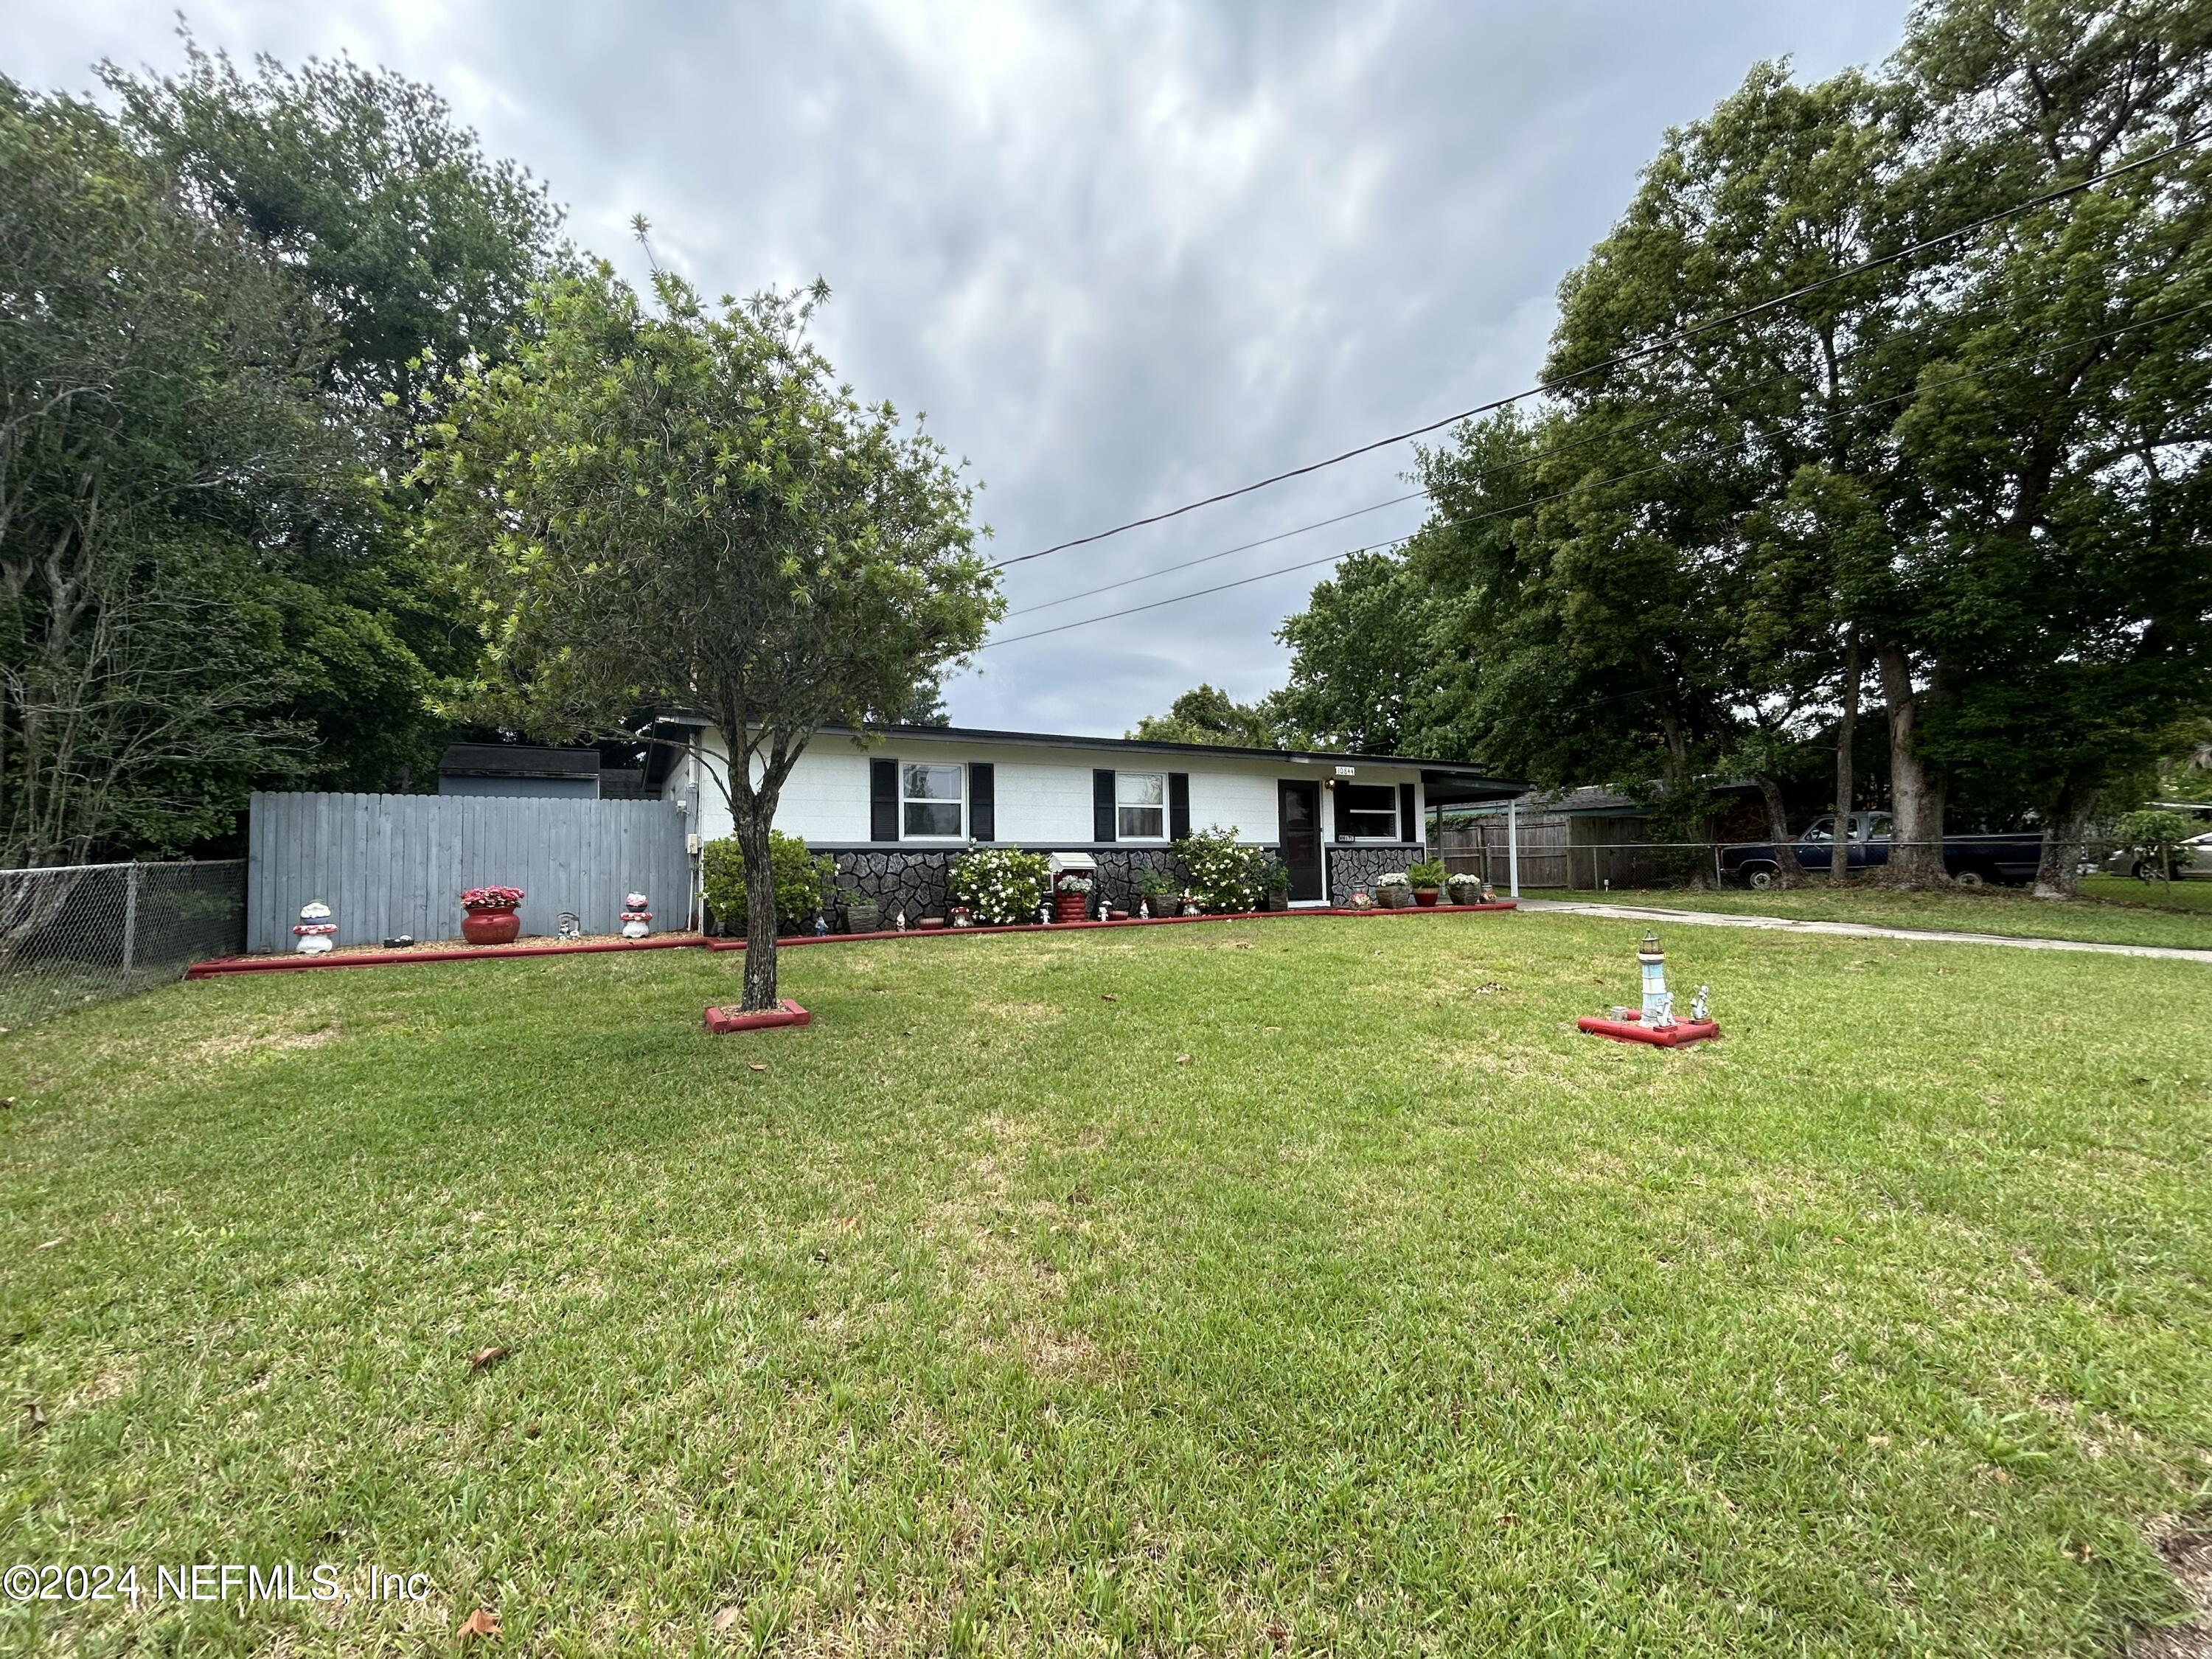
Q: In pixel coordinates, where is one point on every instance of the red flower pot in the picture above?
(1424, 896)
(1070, 907)
(490, 927)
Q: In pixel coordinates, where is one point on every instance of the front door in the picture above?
(1301, 836)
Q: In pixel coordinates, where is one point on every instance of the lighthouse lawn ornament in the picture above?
(636, 919)
(1654, 1022)
(316, 933)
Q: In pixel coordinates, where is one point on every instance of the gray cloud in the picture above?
(1122, 255)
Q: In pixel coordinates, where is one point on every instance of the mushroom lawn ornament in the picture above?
(636, 919)
(316, 933)
(1044, 915)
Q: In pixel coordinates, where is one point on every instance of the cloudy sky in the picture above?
(1123, 255)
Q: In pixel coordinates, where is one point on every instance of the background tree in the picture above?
(1204, 714)
(420, 251)
(1364, 677)
(161, 446)
(677, 506)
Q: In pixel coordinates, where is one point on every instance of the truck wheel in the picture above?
(1970, 878)
(1760, 876)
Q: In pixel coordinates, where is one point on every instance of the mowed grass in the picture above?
(1399, 1317)
(2112, 910)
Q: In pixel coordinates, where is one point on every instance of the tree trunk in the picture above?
(1839, 855)
(2065, 829)
(752, 819)
(1777, 826)
(1916, 851)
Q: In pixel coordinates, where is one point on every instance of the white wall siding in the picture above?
(1043, 792)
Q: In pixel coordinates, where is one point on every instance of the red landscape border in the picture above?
(220, 966)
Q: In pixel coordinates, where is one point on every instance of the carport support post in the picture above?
(1513, 849)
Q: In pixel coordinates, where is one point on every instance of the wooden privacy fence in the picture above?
(388, 864)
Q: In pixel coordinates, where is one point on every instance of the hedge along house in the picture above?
(893, 806)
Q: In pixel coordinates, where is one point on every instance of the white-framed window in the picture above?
(932, 801)
(1367, 811)
(1140, 806)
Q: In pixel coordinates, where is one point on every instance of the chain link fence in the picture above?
(1558, 861)
(82, 934)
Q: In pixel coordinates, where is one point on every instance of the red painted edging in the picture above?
(721, 1021)
(221, 965)
(1631, 1031)
(225, 965)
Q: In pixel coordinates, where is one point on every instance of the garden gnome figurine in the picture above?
(316, 933)
(820, 926)
(636, 919)
(1701, 1006)
(1652, 961)
(902, 922)
(1144, 909)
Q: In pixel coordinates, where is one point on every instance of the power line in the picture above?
(1169, 570)
(1620, 359)
(1243, 581)
(1600, 483)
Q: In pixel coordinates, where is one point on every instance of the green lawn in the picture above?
(1400, 1318)
(2115, 910)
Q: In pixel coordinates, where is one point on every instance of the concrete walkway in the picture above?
(1859, 929)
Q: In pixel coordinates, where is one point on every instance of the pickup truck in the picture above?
(1971, 860)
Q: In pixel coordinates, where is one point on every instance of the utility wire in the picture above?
(1620, 358)
(1242, 581)
(1169, 570)
(1621, 477)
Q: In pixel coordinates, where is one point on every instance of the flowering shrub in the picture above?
(801, 879)
(1224, 875)
(491, 898)
(1001, 884)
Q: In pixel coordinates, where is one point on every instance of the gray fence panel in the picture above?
(388, 864)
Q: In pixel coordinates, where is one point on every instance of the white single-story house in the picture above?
(893, 804)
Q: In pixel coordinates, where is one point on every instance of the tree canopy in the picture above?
(677, 505)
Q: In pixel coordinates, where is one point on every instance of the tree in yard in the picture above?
(677, 505)
(161, 445)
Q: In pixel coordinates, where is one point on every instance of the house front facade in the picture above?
(892, 806)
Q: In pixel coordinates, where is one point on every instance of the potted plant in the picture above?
(1071, 899)
(491, 915)
(1428, 877)
(1463, 889)
(1275, 883)
(1394, 890)
(1159, 892)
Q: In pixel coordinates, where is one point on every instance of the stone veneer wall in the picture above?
(1358, 865)
(918, 881)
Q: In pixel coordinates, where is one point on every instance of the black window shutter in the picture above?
(1409, 827)
(1337, 811)
(1102, 804)
(882, 801)
(983, 801)
(1178, 806)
